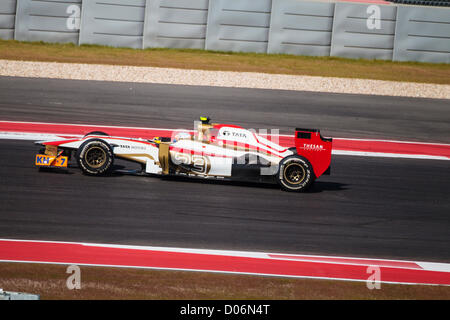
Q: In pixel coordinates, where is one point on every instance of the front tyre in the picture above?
(95, 157)
(295, 173)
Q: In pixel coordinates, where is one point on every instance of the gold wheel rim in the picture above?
(294, 173)
(95, 157)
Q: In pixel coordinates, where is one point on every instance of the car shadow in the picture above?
(218, 182)
(55, 170)
(317, 187)
(124, 170)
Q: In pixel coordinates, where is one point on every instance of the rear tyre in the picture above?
(95, 157)
(295, 173)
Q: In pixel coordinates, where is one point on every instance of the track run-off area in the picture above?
(385, 203)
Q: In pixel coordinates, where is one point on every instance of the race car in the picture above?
(210, 151)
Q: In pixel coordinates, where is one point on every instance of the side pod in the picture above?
(317, 149)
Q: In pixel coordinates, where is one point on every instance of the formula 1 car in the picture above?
(211, 150)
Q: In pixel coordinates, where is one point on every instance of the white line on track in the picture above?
(170, 130)
(347, 261)
(432, 266)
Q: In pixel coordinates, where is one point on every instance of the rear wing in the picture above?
(310, 144)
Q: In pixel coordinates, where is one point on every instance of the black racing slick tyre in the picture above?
(295, 173)
(95, 157)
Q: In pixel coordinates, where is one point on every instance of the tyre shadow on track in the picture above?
(320, 186)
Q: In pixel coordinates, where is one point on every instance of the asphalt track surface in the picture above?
(368, 207)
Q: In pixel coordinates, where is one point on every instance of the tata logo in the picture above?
(234, 134)
(313, 147)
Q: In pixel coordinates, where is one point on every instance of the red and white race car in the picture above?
(211, 150)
